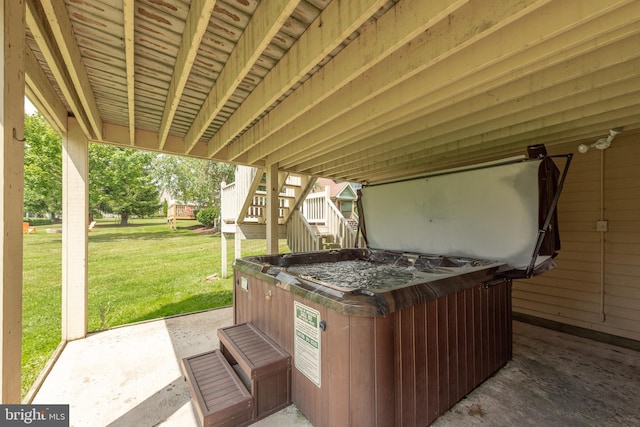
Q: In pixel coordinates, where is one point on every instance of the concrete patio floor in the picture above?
(130, 376)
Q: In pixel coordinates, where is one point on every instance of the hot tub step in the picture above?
(265, 363)
(219, 396)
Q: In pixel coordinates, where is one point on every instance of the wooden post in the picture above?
(11, 197)
(223, 245)
(237, 242)
(75, 235)
(272, 208)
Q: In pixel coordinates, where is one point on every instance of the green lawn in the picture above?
(137, 272)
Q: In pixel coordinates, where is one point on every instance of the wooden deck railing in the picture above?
(316, 212)
(300, 236)
(179, 211)
(319, 210)
(234, 194)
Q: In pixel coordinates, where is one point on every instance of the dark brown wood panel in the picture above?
(452, 350)
(433, 371)
(442, 348)
(385, 380)
(421, 362)
(362, 369)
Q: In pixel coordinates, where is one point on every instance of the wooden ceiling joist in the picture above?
(60, 25)
(374, 44)
(309, 136)
(128, 10)
(335, 23)
(493, 62)
(267, 20)
(497, 140)
(42, 94)
(195, 26)
(443, 158)
(37, 22)
(366, 90)
(556, 85)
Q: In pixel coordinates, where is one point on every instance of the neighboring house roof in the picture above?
(337, 190)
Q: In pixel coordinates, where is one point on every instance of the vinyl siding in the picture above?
(572, 293)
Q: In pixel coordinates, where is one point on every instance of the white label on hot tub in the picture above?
(307, 341)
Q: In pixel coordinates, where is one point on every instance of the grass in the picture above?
(137, 272)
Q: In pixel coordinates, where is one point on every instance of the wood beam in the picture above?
(597, 117)
(306, 185)
(194, 29)
(533, 43)
(478, 155)
(60, 25)
(499, 45)
(38, 24)
(458, 115)
(394, 29)
(255, 183)
(11, 193)
(331, 27)
(42, 94)
(75, 240)
(147, 140)
(272, 208)
(267, 20)
(128, 10)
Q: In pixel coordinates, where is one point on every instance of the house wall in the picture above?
(597, 282)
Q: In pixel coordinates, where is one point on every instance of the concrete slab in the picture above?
(130, 376)
(555, 379)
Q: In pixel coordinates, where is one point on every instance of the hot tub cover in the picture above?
(491, 212)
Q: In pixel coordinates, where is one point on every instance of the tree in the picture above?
(192, 180)
(121, 182)
(42, 167)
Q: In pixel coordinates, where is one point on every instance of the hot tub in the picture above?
(398, 332)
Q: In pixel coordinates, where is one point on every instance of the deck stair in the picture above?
(247, 379)
(243, 209)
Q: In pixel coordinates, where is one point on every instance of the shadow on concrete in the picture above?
(190, 334)
(157, 407)
(196, 303)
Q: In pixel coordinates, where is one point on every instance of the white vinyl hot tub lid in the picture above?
(486, 213)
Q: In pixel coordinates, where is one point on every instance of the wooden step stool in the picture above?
(264, 366)
(248, 379)
(220, 397)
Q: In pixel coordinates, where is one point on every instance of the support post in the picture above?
(237, 242)
(272, 209)
(11, 197)
(75, 234)
(223, 244)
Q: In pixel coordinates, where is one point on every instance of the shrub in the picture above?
(207, 216)
(36, 222)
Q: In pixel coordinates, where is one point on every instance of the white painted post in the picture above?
(75, 235)
(237, 241)
(327, 200)
(223, 235)
(223, 244)
(12, 13)
(272, 209)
